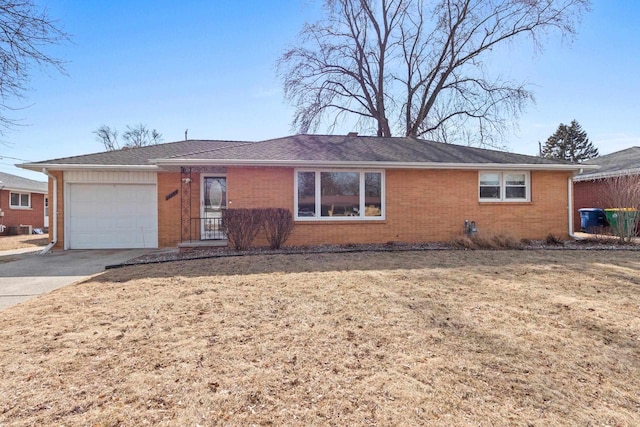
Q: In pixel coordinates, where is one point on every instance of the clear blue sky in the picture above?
(209, 66)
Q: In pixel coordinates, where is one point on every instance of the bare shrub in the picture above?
(483, 242)
(505, 241)
(277, 225)
(463, 242)
(500, 241)
(242, 226)
(553, 240)
(623, 194)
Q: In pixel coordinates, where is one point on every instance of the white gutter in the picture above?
(54, 204)
(369, 164)
(24, 190)
(603, 175)
(62, 166)
(158, 163)
(570, 199)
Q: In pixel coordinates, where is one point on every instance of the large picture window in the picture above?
(333, 194)
(20, 200)
(504, 186)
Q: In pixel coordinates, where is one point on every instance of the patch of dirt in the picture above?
(365, 338)
(22, 241)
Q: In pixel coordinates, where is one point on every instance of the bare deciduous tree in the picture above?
(26, 32)
(623, 193)
(108, 137)
(139, 136)
(415, 66)
(135, 136)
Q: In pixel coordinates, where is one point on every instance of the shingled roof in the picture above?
(615, 164)
(310, 150)
(140, 155)
(18, 183)
(335, 148)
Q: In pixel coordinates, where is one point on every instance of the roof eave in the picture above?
(22, 189)
(370, 164)
(604, 175)
(39, 167)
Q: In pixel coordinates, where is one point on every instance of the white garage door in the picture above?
(109, 216)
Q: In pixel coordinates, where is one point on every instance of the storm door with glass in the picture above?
(213, 202)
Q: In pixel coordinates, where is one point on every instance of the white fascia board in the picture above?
(38, 167)
(368, 164)
(22, 190)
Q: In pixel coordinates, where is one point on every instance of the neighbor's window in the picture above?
(20, 200)
(504, 187)
(329, 194)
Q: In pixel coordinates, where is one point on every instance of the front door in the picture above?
(213, 200)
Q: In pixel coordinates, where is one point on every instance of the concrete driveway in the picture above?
(26, 275)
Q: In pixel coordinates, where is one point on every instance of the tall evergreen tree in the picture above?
(569, 143)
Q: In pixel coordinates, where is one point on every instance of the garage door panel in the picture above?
(104, 216)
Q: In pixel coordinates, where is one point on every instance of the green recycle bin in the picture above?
(628, 215)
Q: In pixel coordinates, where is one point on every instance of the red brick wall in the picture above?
(33, 216)
(421, 205)
(59, 209)
(169, 217)
(588, 194)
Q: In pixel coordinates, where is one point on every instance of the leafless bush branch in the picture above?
(623, 194)
(278, 224)
(242, 226)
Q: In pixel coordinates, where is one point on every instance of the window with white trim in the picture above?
(20, 200)
(504, 186)
(339, 194)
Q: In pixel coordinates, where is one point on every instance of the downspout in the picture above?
(570, 198)
(53, 204)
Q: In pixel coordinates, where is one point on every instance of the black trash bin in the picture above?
(592, 219)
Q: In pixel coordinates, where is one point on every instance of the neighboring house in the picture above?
(22, 202)
(340, 189)
(590, 186)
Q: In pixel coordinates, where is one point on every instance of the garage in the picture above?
(111, 216)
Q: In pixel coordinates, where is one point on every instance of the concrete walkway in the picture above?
(24, 274)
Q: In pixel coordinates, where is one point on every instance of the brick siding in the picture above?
(13, 217)
(588, 194)
(169, 216)
(421, 205)
(59, 209)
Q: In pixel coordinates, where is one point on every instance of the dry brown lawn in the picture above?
(23, 241)
(454, 338)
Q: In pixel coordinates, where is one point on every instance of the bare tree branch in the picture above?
(107, 137)
(623, 194)
(416, 66)
(26, 32)
(135, 136)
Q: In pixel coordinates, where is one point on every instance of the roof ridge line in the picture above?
(236, 144)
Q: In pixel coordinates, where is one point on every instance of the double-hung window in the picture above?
(20, 200)
(504, 186)
(339, 194)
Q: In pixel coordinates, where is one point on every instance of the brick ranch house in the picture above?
(340, 189)
(590, 186)
(23, 201)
